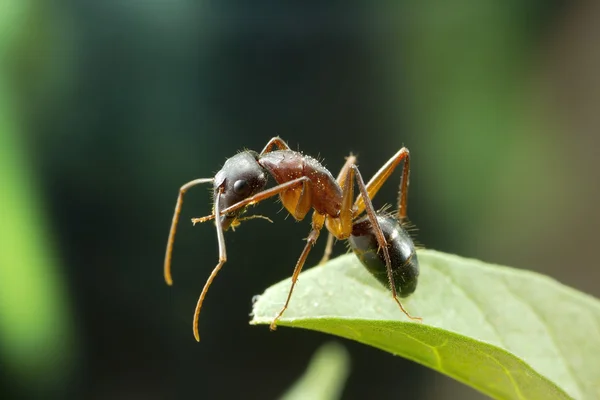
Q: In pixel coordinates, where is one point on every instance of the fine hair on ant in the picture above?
(378, 239)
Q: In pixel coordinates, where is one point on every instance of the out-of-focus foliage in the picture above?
(36, 336)
(325, 377)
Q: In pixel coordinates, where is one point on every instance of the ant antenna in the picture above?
(169, 252)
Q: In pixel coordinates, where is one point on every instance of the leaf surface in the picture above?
(509, 333)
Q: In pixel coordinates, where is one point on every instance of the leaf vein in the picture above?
(508, 373)
(433, 348)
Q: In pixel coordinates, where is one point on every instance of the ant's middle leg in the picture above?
(328, 249)
(344, 181)
(310, 242)
(382, 175)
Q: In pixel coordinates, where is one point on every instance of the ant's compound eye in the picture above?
(241, 187)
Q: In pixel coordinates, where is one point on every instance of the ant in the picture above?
(304, 184)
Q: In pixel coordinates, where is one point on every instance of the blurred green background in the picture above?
(107, 107)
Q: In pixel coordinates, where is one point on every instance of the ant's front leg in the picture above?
(257, 198)
(222, 261)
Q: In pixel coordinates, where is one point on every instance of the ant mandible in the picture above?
(304, 184)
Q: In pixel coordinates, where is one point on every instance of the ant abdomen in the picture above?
(404, 262)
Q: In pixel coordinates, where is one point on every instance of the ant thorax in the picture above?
(321, 191)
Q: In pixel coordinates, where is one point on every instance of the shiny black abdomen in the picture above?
(405, 265)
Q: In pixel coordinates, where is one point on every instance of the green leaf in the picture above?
(325, 377)
(511, 334)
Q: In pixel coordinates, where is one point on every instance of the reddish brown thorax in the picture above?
(322, 193)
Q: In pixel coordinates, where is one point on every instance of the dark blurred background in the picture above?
(107, 107)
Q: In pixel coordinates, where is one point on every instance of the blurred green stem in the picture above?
(325, 377)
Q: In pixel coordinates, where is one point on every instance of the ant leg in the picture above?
(174, 222)
(277, 142)
(341, 178)
(343, 181)
(222, 260)
(310, 241)
(222, 254)
(403, 191)
(328, 249)
(380, 238)
(382, 175)
(265, 194)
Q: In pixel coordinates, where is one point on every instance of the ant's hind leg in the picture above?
(382, 175)
(381, 241)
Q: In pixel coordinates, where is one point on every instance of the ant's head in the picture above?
(240, 178)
